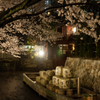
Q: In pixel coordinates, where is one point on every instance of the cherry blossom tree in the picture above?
(86, 20)
(17, 23)
(29, 17)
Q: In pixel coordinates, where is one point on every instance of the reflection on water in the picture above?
(13, 88)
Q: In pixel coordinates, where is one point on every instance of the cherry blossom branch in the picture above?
(23, 5)
(10, 19)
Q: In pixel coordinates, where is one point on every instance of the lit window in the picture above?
(63, 48)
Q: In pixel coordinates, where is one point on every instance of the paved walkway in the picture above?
(13, 88)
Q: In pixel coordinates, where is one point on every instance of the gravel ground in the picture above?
(13, 88)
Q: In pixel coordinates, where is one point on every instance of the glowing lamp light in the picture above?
(74, 29)
(73, 47)
(41, 53)
(48, 13)
(69, 29)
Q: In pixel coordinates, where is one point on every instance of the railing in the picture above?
(3, 55)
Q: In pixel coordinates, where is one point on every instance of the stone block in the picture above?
(88, 70)
(92, 70)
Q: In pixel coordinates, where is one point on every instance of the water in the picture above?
(13, 88)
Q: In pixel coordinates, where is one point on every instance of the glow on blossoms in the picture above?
(29, 17)
(84, 21)
(35, 26)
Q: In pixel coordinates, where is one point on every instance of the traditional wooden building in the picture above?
(62, 48)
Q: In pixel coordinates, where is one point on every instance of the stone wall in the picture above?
(88, 70)
(15, 64)
(8, 64)
(31, 64)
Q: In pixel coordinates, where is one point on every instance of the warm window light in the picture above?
(73, 47)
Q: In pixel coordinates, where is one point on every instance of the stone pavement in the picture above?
(13, 88)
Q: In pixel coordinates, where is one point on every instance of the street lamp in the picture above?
(41, 53)
(71, 29)
(74, 30)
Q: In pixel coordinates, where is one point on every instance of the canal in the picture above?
(13, 88)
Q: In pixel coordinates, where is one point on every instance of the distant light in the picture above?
(48, 13)
(47, 2)
(41, 53)
(45, 7)
(74, 29)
